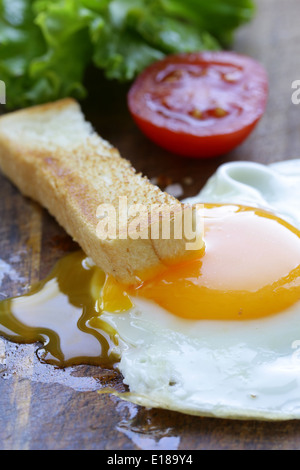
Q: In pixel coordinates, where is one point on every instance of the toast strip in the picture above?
(54, 157)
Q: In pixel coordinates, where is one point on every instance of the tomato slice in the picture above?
(199, 104)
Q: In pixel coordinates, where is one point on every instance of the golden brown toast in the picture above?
(54, 156)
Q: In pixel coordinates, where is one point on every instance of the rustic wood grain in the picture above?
(45, 408)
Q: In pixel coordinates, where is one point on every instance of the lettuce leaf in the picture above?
(218, 17)
(47, 45)
(20, 42)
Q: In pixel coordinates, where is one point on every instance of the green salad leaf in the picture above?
(47, 45)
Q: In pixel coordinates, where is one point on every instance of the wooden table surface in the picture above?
(45, 408)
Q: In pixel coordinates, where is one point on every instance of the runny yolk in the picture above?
(250, 268)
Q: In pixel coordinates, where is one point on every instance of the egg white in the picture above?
(240, 370)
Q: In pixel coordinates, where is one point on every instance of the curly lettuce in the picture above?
(47, 45)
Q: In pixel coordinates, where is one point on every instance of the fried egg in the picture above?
(217, 335)
(229, 362)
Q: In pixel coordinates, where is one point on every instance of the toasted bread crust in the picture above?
(70, 173)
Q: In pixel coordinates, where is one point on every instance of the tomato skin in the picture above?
(162, 112)
(190, 145)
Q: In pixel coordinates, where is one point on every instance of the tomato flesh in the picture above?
(199, 104)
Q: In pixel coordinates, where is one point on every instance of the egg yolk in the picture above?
(250, 268)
